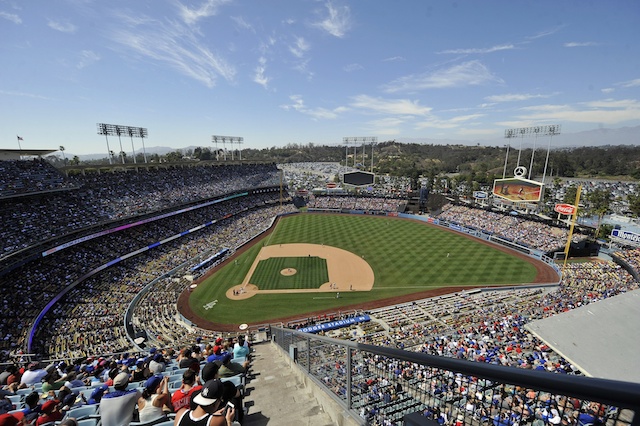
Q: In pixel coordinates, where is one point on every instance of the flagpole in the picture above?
(19, 139)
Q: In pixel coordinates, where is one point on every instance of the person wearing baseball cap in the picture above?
(116, 408)
(11, 419)
(208, 411)
(50, 412)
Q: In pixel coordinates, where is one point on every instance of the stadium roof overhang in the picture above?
(602, 339)
(16, 154)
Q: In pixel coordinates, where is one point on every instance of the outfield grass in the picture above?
(406, 257)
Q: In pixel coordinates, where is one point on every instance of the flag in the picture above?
(19, 138)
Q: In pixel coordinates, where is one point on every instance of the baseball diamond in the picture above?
(370, 261)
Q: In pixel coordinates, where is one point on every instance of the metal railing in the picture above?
(380, 385)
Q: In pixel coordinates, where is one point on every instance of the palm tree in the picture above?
(64, 157)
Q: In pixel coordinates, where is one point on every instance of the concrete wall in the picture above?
(339, 415)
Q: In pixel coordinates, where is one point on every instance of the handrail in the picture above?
(623, 395)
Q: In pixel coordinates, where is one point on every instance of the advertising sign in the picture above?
(567, 209)
(517, 189)
(481, 195)
(626, 235)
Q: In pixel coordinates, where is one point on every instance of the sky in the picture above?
(276, 72)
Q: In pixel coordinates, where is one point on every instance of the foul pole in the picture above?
(573, 223)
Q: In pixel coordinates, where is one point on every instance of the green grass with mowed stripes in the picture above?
(311, 272)
(406, 257)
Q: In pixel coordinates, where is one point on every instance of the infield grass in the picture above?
(406, 257)
(311, 272)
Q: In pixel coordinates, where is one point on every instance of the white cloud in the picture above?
(630, 83)
(64, 27)
(581, 44)
(258, 76)
(466, 132)
(451, 123)
(23, 94)
(316, 113)
(389, 126)
(299, 47)
(480, 50)
(242, 24)
(607, 90)
(472, 73)
(338, 22)
(389, 106)
(394, 59)
(11, 17)
(513, 97)
(87, 57)
(606, 111)
(545, 33)
(353, 67)
(303, 68)
(206, 9)
(174, 44)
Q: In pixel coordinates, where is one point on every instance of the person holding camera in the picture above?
(209, 410)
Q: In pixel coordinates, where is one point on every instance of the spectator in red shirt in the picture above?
(182, 397)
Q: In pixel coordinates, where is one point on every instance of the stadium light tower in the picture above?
(119, 130)
(130, 131)
(355, 140)
(240, 141)
(142, 133)
(550, 131)
(103, 129)
(224, 139)
(214, 140)
(536, 131)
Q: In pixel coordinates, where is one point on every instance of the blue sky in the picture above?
(296, 71)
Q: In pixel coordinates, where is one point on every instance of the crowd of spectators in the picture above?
(513, 228)
(366, 203)
(631, 256)
(18, 178)
(153, 387)
(66, 331)
(31, 286)
(107, 196)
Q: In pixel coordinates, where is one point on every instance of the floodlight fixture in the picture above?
(130, 132)
(535, 131)
(142, 133)
(103, 130)
(120, 130)
(355, 141)
(224, 139)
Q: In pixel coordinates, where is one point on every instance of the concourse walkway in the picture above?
(275, 396)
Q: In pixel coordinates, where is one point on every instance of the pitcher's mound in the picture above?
(287, 272)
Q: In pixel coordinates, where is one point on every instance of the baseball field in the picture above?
(310, 263)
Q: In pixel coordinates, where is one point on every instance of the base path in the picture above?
(347, 271)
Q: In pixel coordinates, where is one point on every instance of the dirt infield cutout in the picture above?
(347, 271)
